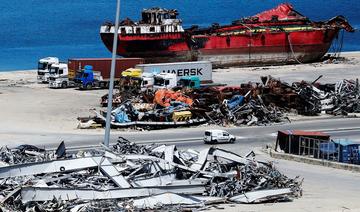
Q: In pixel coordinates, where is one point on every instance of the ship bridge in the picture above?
(158, 16)
(154, 21)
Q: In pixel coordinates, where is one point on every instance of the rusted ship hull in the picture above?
(256, 41)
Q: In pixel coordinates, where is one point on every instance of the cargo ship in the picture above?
(277, 36)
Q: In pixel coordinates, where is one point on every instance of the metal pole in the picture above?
(112, 73)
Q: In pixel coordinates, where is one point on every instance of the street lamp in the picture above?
(112, 73)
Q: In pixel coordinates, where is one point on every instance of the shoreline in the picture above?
(347, 53)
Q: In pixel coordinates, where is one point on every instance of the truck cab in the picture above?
(147, 81)
(44, 66)
(132, 72)
(59, 76)
(189, 82)
(165, 80)
(87, 78)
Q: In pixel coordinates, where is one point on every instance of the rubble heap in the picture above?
(130, 176)
(248, 104)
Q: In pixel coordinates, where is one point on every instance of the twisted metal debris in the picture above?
(248, 104)
(129, 176)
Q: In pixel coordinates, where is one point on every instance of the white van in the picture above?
(215, 136)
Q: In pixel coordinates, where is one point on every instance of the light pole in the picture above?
(112, 73)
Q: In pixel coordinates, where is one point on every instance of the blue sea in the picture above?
(33, 29)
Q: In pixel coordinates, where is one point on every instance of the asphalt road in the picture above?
(187, 137)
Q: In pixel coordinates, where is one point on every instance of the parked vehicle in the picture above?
(44, 66)
(147, 81)
(59, 76)
(217, 136)
(88, 79)
(170, 75)
(101, 68)
(165, 80)
(132, 72)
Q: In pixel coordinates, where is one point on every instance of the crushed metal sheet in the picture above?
(260, 196)
(49, 167)
(157, 201)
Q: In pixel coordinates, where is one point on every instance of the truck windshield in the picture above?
(159, 81)
(42, 66)
(79, 74)
(54, 71)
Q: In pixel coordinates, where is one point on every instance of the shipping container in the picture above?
(102, 65)
(202, 69)
(289, 140)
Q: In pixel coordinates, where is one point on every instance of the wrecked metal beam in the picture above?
(111, 172)
(230, 156)
(48, 193)
(166, 180)
(199, 164)
(153, 202)
(260, 196)
(49, 167)
(164, 163)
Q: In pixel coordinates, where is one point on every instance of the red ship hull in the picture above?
(266, 42)
(270, 48)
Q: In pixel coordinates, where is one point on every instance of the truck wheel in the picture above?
(88, 86)
(64, 85)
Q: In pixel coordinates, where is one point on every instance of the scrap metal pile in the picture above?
(312, 98)
(248, 104)
(136, 177)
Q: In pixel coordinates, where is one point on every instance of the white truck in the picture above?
(164, 80)
(44, 66)
(58, 76)
(201, 69)
(147, 81)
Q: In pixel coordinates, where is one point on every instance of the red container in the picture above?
(102, 65)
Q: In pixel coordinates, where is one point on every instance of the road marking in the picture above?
(197, 139)
(273, 134)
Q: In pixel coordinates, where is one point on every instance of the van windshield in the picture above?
(207, 133)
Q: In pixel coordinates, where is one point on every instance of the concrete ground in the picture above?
(31, 110)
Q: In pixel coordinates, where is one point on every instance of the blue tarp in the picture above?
(235, 101)
(121, 117)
